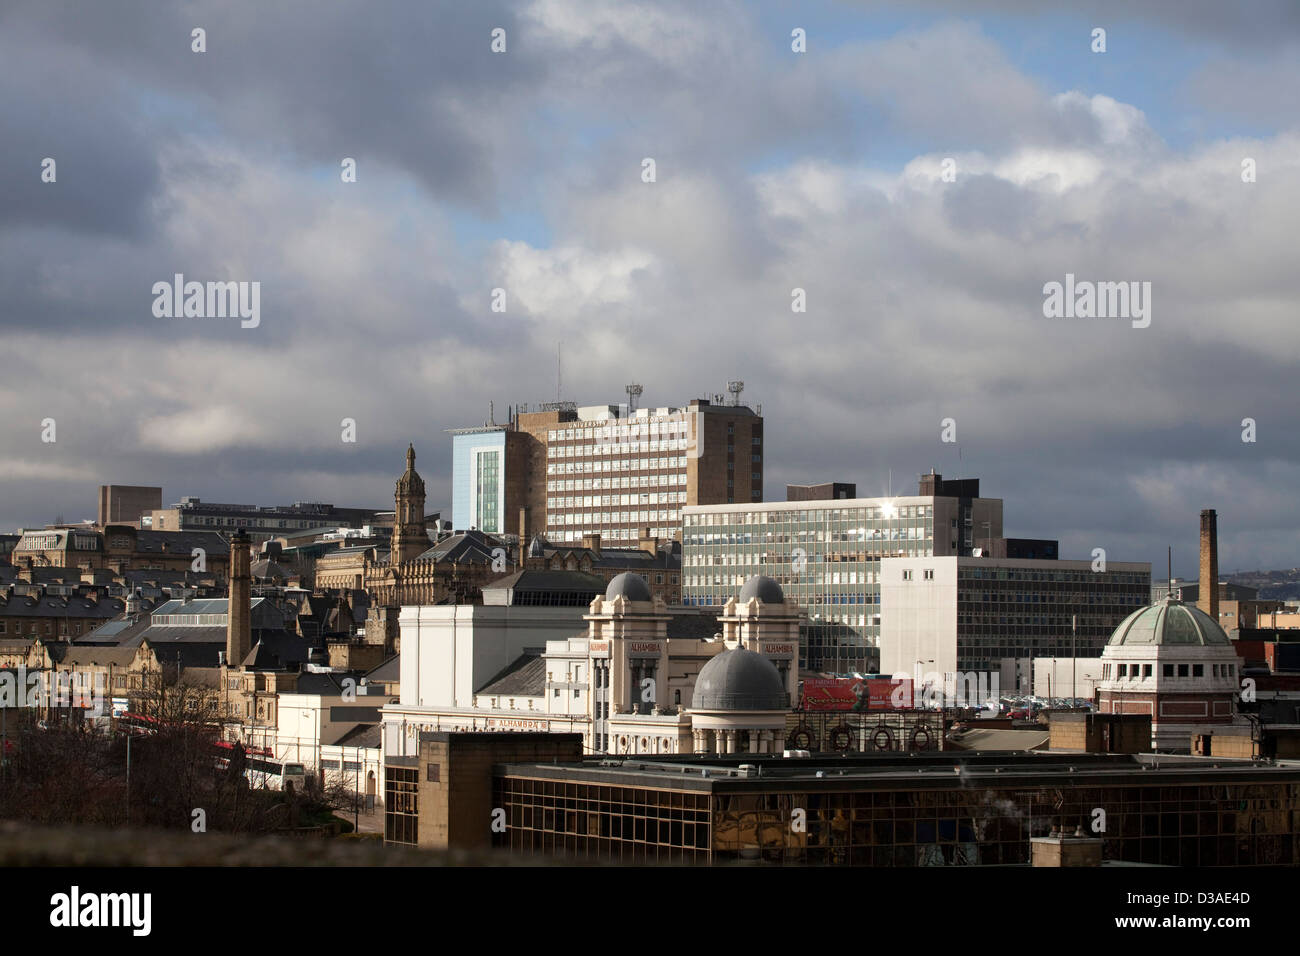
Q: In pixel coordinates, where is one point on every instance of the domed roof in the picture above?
(631, 586)
(739, 679)
(1169, 623)
(764, 588)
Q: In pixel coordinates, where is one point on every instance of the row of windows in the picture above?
(719, 522)
(668, 474)
(605, 431)
(1131, 671)
(1172, 826)
(597, 522)
(191, 521)
(35, 627)
(1101, 594)
(1023, 574)
(609, 484)
(620, 448)
(614, 501)
(878, 531)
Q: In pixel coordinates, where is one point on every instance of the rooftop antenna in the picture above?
(735, 388)
(633, 393)
(1171, 570)
(557, 371)
(492, 417)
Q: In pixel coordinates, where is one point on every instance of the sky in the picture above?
(775, 170)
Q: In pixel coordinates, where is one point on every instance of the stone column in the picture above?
(753, 741)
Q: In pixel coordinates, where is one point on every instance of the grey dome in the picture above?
(739, 679)
(764, 588)
(630, 586)
(537, 548)
(1169, 623)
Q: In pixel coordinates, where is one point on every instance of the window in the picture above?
(1123, 670)
(907, 575)
(1182, 670)
(1146, 670)
(929, 574)
(1198, 670)
(1168, 670)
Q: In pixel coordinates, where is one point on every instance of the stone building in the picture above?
(659, 563)
(415, 569)
(122, 547)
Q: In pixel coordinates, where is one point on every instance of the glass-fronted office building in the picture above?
(826, 556)
(478, 497)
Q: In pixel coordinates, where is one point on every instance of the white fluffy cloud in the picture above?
(924, 296)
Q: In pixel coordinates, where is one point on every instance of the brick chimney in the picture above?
(239, 631)
(592, 542)
(1208, 599)
(648, 542)
(523, 537)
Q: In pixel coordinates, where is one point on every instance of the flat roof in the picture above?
(943, 770)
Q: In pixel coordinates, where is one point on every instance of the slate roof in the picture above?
(277, 650)
(9, 574)
(525, 676)
(268, 569)
(73, 654)
(73, 606)
(464, 547)
(667, 558)
(180, 542)
(362, 735)
(117, 631)
(550, 581)
(327, 684)
(390, 670)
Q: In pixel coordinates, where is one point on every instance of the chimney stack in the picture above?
(239, 631)
(1208, 599)
(523, 537)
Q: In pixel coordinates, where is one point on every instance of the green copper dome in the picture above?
(1169, 623)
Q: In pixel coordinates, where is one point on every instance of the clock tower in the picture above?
(410, 539)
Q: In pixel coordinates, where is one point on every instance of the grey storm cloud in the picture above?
(924, 297)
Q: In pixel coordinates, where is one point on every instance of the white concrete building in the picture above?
(622, 674)
(943, 615)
